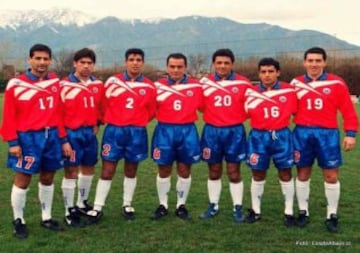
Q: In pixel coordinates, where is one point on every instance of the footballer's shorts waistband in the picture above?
(175, 124)
(270, 130)
(45, 129)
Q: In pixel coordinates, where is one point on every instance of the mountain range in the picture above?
(69, 30)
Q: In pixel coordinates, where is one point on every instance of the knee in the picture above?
(184, 171)
(71, 173)
(234, 176)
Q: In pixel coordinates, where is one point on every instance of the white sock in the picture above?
(84, 185)
(68, 191)
(182, 190)
(288, 191)
(257, 190)
(18, 201)
(102, 191)
(302, 194)
(163, 187)
(214, 191)
(46, 194)
(129, 189)
(332, 193)
(236, 191)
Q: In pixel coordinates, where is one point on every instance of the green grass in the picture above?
(221, 234)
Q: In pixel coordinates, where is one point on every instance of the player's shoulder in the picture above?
(285, 85)
(333, 77)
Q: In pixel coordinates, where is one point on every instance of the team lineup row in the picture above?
(46, 119)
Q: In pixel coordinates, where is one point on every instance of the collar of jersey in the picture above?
(229, 77)
(323, 77)
(137, 79)
(74, 79)
(184, 80)
(33, 77)
(275, 87)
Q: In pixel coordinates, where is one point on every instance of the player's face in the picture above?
(223, 66)
(176, 69)
(314, 65)
(39, 63)
(134, 64)
(84, 67)
(268, 75)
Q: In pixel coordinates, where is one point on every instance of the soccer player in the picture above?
(270, 106)
(223, 136)
(82, 96)
(32, 126)
(321, 95)
(130, 105)
(175, 137)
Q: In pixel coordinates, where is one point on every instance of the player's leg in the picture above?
(304, 155)
(211, 149)
(282, 150)
(46, 195)
(236, 189)
(18, 201)
(214, 187)
(256, 191)
(163, 184)
(129, 187)
(329, 159)
(183, 185)
(68, 185)
(187, 145)
(332, 194)
(87, 168)
(288, 191)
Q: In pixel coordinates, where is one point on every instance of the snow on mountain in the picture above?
(37, 18)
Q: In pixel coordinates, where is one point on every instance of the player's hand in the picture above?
(15, 151)
(66, 149)
(349, 143)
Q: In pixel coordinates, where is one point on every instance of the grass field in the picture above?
(221, 234)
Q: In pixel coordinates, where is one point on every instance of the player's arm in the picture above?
(350, 119)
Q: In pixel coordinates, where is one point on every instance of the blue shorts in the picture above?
(84, 143)
(320, 143)
(223, 142)
(41, 151)
(174, 142)
(129, 142)
(262, 145)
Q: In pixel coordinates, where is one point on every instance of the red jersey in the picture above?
(129, 103)
(224, 100)
(82, 102)
(271, 109)
(31, 104)
(320, 100)
(178, 103)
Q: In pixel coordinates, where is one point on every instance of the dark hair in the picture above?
(268, 61)
(224, 52)
(41, 48)
(315, 50)
(176, 56)
(85, 53)
(135, 51)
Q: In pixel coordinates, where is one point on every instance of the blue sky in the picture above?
(338, 18)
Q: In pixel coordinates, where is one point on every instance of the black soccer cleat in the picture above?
(94, 216)
(302, 219)
(289, 220)
(252, 216)
(332, 223)
(128, 212)
(182, 213)
(74, 219)
(51, 225)
(85, 209)
(20, 230)
(159, 213)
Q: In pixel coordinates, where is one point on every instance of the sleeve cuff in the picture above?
(13, 143)
(350, 134)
